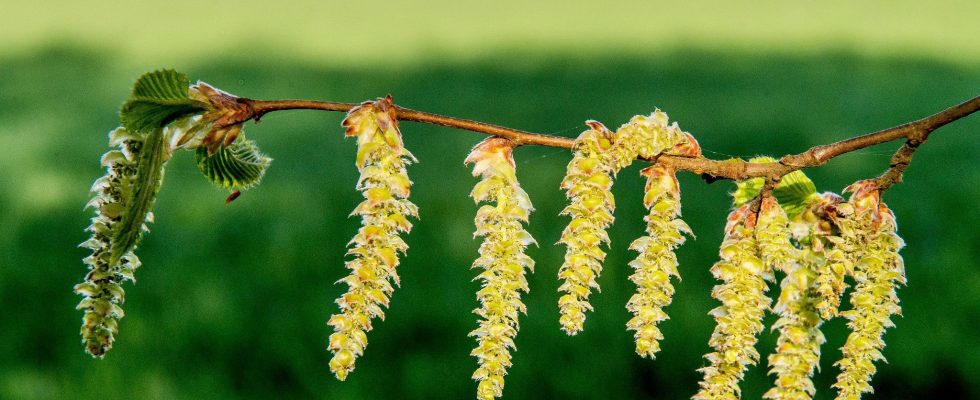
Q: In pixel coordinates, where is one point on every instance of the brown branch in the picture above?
(899, 162)
(915, 133)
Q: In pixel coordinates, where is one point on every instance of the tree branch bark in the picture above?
(915, 133)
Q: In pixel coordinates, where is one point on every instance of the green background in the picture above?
(232, 300)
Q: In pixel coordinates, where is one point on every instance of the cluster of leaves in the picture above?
(812, 243)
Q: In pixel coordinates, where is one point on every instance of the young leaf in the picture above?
(239, 166)
(158, 98)
(794, 191)
(149, 176)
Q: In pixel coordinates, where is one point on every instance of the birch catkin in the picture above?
(384, 183)
(588, 184)
(878, 272)
(744, 303)
(502, 261)
(656, 263)
(798, 345)
(102, 290)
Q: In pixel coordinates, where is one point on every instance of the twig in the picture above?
(915, 133)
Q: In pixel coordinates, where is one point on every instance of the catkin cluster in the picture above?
(879, 269)
(744, 303)
(814, 241)
(102, 290)
(384, 183)
(656, 263)
(502, 261)
(597, 156)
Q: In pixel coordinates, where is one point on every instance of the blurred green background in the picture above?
(232, 300)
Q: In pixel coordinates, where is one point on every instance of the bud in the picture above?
(220, 124)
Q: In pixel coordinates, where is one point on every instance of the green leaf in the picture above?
(747, 190)
(149, 176)
(238, 166)
(158, 98)
(794, 191)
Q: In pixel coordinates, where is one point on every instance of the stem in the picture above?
(915, 133)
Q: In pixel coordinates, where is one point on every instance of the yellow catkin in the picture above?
(879, 269)
(744, 303)
(648, 136)
(798, 345)
(384, 183)
(587, 185)
(656, 263)
(829, 283)
(598, 156)
(102, 290)
(502, 261)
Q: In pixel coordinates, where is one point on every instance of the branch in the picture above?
(915, 133)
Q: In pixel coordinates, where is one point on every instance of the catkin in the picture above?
(384, 183)
(798, 345)
(597, 156)
(588, 184)
(744, 303)
(656, 263)
(871, 227)
(839, 255)
(648, 136)
(102, 290)
(502, 260)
